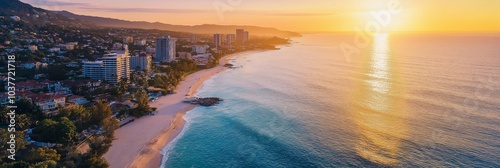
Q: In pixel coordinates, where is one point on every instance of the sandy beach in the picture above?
(140, 143)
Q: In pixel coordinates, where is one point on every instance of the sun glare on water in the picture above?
(376, 112)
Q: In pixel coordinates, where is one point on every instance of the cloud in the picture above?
(297, 14)
(54, 3)
(144, 10)
(50, 4)
(286, 14)
(92, 7)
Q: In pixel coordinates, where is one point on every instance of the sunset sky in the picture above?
(295, 15)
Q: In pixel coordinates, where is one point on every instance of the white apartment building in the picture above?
(218, 38)
(115, 67)
(246, 36)
(141, 62)
(230, 38)
(239, 35)
(111, 68)
(93, 70)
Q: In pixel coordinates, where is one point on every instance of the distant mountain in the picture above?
(38, 15)
(34, 15)
(17, 6)
(199, 29)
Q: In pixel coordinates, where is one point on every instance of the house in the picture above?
(33, 65)
(4, 98)
(185, 55)
(58, 88)
(28, 65)
(77, 100)
(30, 85)
(73, 64)
(66, 47)
(48, 60)
(82, 84)
(48, 101)
(15, 18)
(54, 49)
(33, 48)
(200, 49)
(202, 59)
(40, 76)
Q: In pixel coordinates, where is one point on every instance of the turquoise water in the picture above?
(403, 101)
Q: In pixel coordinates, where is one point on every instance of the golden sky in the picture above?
(297, 15)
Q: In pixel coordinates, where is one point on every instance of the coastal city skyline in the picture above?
(301, 16)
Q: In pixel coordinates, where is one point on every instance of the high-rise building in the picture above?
(93, 70)
(245, 36)
(230, 38)
(111, 68)
(239, 35)
(141, 62)
(165, 49)
(193, 38)
(116, 67)
(218, 38)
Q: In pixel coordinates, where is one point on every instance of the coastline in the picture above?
(151, 155)
(141, 143)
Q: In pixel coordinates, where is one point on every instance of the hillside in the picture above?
(35, 15)
(199, 29)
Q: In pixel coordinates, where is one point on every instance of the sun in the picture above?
(383, 16)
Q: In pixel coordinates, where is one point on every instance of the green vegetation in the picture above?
(142, 101)
(5, 137)
(184, 65)
(79, 115)
(56, 72)
(140, 79)
(63, 129)
(42, 154)
(167, 81)
(32, 111)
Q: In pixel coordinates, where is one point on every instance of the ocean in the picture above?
(403, 100)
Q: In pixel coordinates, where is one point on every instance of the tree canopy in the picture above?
(52, 131)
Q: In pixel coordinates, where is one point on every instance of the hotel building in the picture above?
(142, 62)
(111, 68)
(218, 38)
(165, 49)
(230, 38)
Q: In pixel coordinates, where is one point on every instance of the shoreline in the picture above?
(147, 150)
(151, 155)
